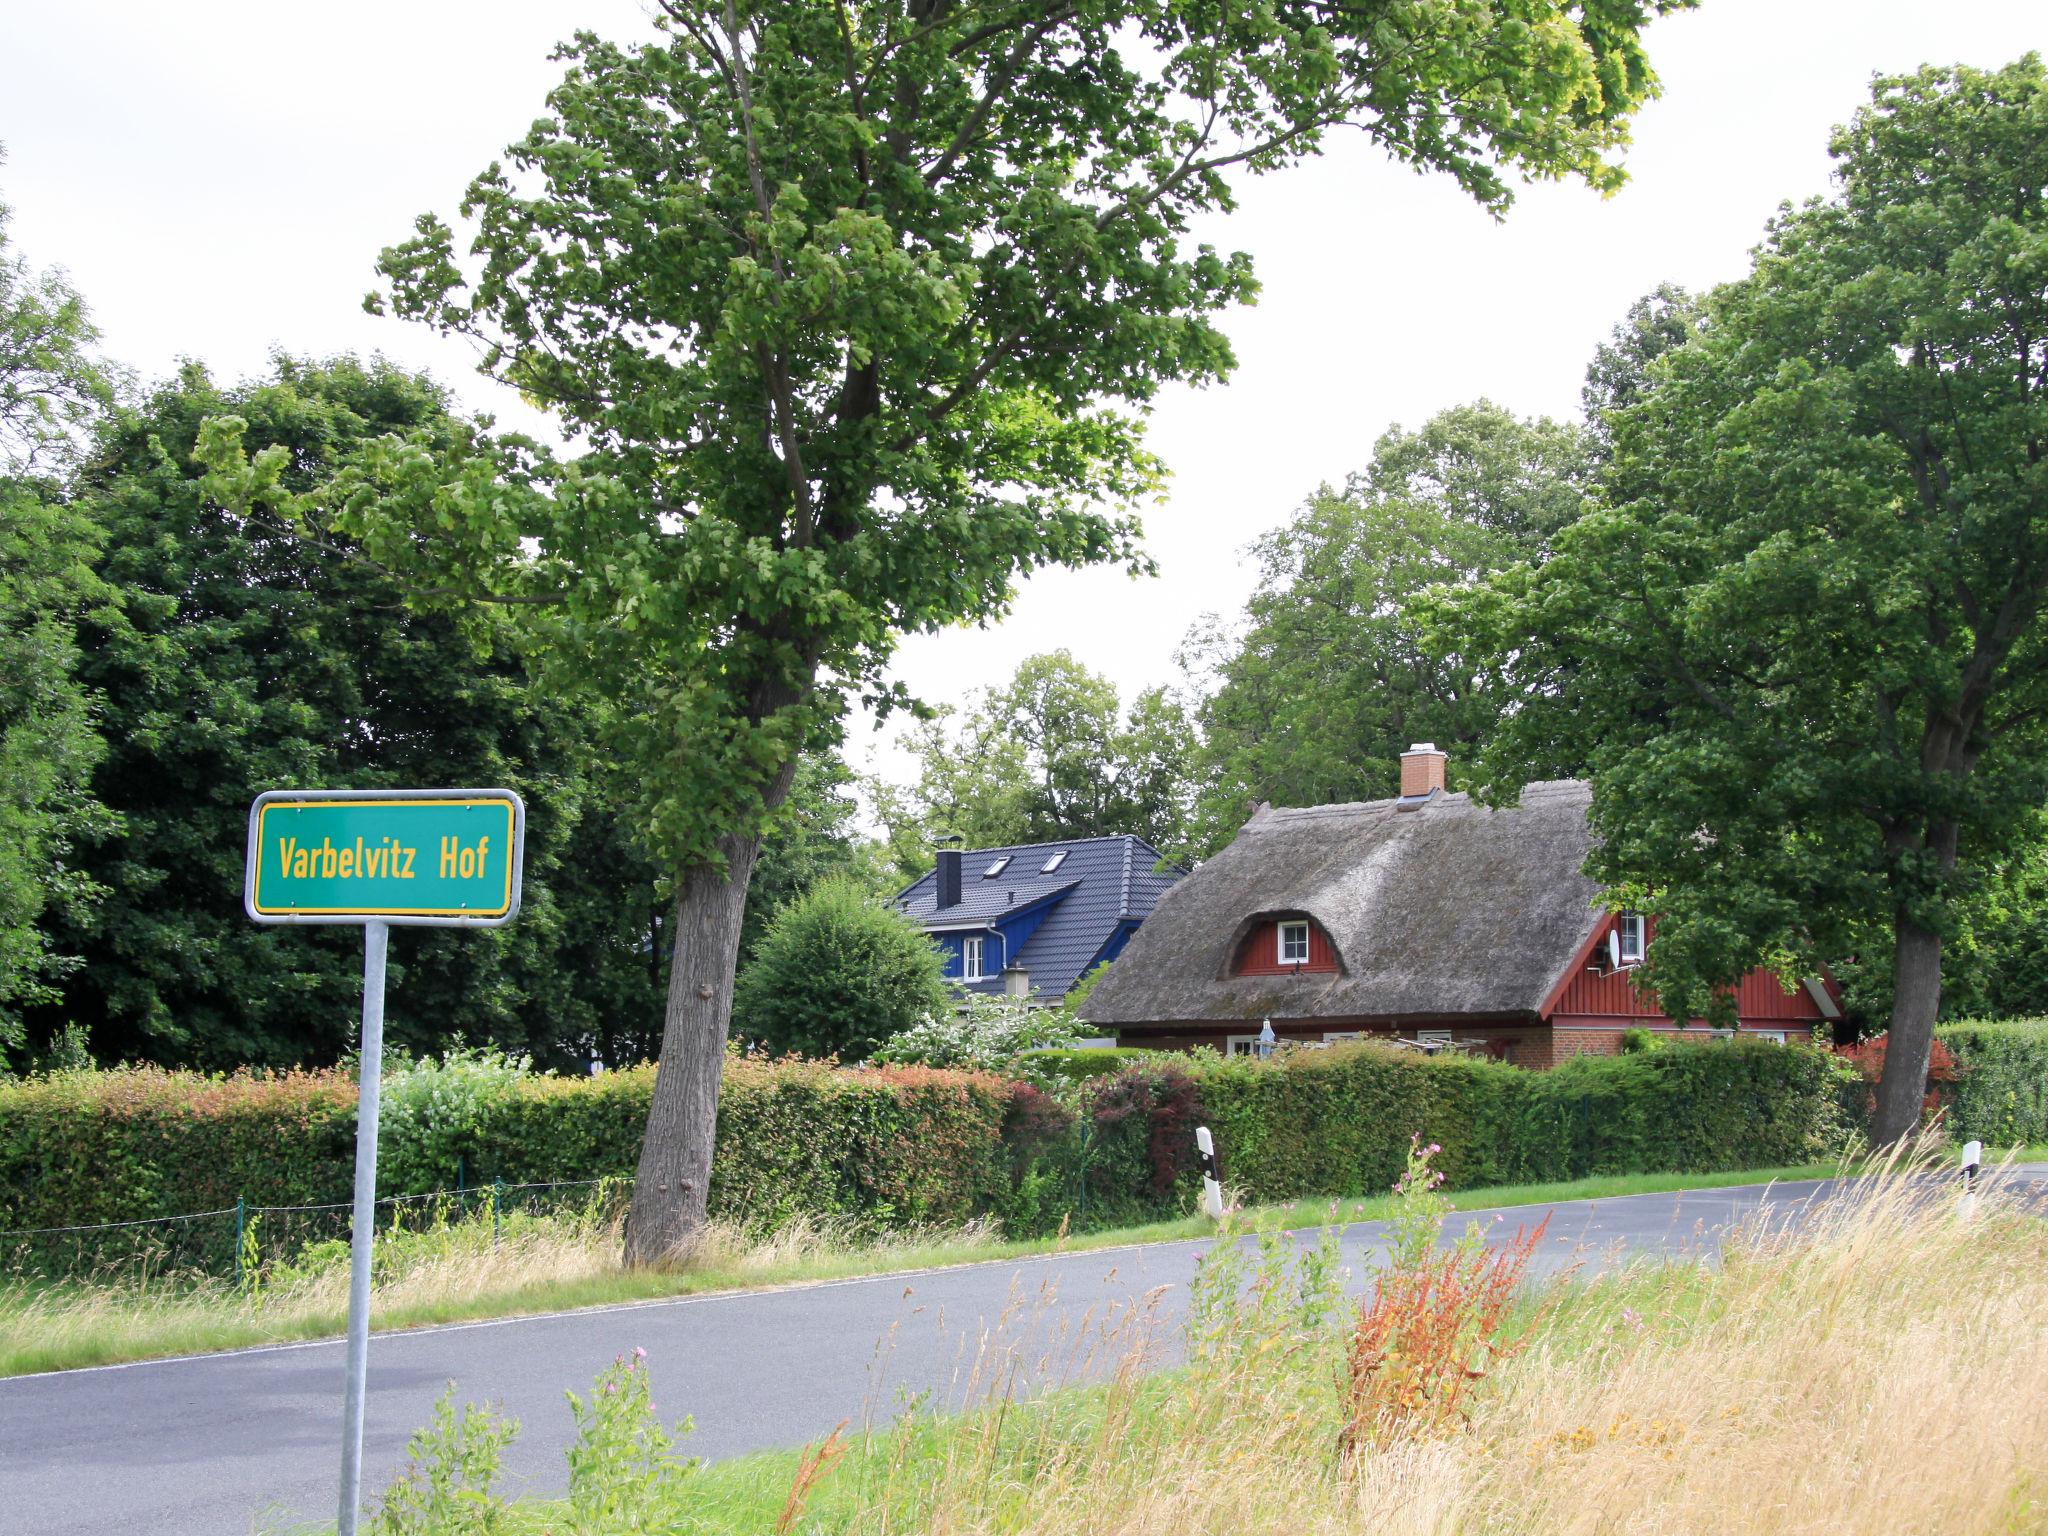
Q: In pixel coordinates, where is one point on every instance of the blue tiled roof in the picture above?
(1101, 891)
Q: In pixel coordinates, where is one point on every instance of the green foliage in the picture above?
(1328, 680)
(133, 1142)
(837, 973)
(813, 837)
(1050, 755)
(624, 1470)
(1338, 1122)
(431, 1113)
(1078, 1065)
(902, 1146)
(988, 1034)
(450, 1485)
(245, 658)
(1800, 649)
(906, 283)
(2001, 1092)
(51, 389)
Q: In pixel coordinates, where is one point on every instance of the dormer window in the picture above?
(1629, 939)
(1053, 863)
(1292, 948)
(996, 868)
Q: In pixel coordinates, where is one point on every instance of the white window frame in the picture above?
(1624, 924)
(1280, 932)
(1241, 1045)
(1774, 1036)
(1441, 1038)
(996, 867)
(971, 953)
(1054, 862)
(1332, 1036)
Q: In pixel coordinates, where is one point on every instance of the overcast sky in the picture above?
(218, 178)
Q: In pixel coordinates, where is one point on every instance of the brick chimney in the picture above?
(949, 876)
(1422, 770)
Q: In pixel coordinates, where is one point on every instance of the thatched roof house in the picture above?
(1429, 918)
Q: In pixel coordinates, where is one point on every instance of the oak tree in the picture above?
(1801, 650)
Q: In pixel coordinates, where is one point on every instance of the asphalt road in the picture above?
(250, 1440)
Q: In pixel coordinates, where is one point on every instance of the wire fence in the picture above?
(245, 1239)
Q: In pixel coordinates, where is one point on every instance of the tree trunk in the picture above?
(1916, 998)
(674, 1181)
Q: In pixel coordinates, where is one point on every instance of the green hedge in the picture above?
(2001, 1091)
(905, 1145)
(1337, 1122)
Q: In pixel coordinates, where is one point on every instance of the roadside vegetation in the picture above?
(1881, 1368)
(462, 1271)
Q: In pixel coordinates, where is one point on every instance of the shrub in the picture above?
(430, 1113)
(836, 974)
(1075, 1065)
(986, 1034)
(2000, 1090)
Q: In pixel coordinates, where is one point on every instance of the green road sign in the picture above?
(434, 857)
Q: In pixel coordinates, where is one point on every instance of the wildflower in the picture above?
(639, 1353)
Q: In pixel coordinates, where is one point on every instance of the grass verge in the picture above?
(1821, 1381)
(458, 1274)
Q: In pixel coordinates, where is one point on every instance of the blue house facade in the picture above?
(1034, 919)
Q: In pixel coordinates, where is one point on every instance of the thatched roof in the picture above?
(1445, 910)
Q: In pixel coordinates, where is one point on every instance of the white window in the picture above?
(1775, 1036)
(1629, 931)
(1433, 1040)
(1294, 943)
(970, 960)
(996, 868)
(1332, 1036)
(1053, 863)
(1242, 1045)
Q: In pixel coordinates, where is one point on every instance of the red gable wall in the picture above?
(1259, 954)
(1759, 998)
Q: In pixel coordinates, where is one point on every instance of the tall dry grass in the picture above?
(1879, 1366)
(437, 1273)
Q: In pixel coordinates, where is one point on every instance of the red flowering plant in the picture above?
(1867, 1056)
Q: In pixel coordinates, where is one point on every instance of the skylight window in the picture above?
(1053, 863)
(996, 868)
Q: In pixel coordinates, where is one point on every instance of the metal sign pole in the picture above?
(370, 1071)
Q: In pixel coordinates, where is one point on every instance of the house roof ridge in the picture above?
(1053, 842)
(1540, 788)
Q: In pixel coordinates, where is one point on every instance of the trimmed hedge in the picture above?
(2000, 1094)
(895, 1146)
(1336, 1122)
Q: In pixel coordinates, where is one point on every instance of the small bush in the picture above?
(430, 1113)
(836, 974)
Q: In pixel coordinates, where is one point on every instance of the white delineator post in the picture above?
(1973, 1160)
(1212, 1187)
(369, 1073)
